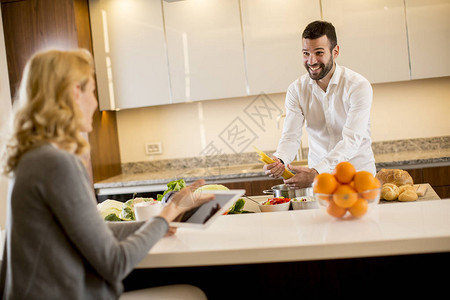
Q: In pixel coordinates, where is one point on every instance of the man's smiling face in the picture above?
(317, 57)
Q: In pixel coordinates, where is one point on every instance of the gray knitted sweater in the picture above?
(57, 246)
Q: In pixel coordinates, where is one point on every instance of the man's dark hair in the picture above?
(317, 29)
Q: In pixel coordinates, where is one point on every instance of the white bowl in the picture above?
(304, 202)
(147, 210)
(274, 207)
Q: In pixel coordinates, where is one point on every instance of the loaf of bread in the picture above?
(389, 191)
(396, 176)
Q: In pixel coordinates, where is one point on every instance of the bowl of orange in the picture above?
(346, 193)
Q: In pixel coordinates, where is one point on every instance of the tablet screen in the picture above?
(205, 214)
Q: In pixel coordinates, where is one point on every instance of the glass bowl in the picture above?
(362, 206)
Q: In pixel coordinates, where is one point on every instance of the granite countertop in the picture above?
(157, 180)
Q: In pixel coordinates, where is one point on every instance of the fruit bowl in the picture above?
(351, 205)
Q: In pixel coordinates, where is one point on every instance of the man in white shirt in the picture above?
(335, 103)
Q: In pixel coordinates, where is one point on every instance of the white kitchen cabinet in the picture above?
(206, 57)
(429, 37)
(272, 32)
(372, 37)
(130, 53)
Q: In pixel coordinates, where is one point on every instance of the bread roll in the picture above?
(389, 191)
(408, 195)
(406, 187)
(396, 176)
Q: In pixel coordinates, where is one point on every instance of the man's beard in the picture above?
(325, 69)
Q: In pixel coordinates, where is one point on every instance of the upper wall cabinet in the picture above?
(130, 54)
(429, 34)
(206, 57)
(371, 36)
(272, 33)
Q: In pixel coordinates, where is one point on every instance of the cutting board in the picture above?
(424, 192)
(421, 189)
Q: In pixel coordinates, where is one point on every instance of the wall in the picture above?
(401, 110)
(5, 113)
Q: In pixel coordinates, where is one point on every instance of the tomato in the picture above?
(274, 201)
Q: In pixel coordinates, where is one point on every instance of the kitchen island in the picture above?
(396, 244)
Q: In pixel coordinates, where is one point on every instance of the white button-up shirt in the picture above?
(337, 121)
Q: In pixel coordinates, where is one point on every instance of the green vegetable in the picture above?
(237, 207)
(112, 218)
(127, 213)
(172, 186)
(110, 207)
(212, 187)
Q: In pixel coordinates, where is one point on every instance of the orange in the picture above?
(360, 208)
(335, 210)
(344, 172)
(364, 181)
(324, 183)
(345, 196)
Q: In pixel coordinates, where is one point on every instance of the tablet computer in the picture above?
(202, 216)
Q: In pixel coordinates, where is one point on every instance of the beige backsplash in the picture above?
(401, 111)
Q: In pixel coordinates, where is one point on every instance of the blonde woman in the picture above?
(57, 245)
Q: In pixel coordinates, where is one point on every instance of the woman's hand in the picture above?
(172, 231)
(185, 200)
(275, 169)
(303, 177)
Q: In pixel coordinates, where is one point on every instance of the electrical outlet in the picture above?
(153, 148)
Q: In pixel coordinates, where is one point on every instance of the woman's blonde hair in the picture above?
(45, 110)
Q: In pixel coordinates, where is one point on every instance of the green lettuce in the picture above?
(173, 186)
(237, 207)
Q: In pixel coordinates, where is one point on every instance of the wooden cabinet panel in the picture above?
(246, 185)
(259, 186)
(417, 175)
(442, 191)
(254, 188)
(437, 176)
(34, 25)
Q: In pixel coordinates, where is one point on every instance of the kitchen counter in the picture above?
(156, 181)
(306, 235)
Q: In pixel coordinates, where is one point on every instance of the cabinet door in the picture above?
(429, 34)
(372, 37)
(272, 32)
(206, 57)
(130, 53)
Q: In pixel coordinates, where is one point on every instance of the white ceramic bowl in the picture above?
(147, 210)
(304, 202)
(274, 207)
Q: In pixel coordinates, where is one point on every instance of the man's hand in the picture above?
(275, 169)
(303, 177)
